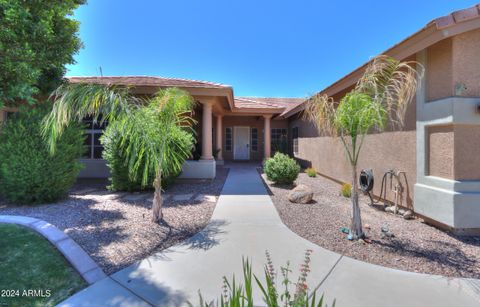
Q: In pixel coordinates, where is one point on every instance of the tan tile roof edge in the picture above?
(145, 81)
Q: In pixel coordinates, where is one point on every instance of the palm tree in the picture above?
(381, 96)
(148, 126)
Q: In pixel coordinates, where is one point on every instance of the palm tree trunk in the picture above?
(356, 226)
(157, 199)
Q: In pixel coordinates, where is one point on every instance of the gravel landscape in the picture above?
(115, 229)
(415, 247)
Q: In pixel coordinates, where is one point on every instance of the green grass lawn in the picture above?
(32, 271)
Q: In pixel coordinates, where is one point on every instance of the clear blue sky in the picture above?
(262, 48)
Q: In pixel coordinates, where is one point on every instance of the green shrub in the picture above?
(311, 172)
(346, 190)
(120, 179)
(281, 169)
(28, 172)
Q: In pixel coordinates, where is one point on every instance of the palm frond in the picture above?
(320, 110)
(73, 102)
(391, 83)
(158, 137)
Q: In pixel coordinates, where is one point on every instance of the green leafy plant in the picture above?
(311, 172)
(382, 94)
(237, 294)
(38, 38)
(28, 172)
(148, 128)
(346, 190)
(281, 169)
(120, 178)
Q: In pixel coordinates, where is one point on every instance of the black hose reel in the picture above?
(366, 181)
(366, 184)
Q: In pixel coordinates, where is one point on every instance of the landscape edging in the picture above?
(78, 258)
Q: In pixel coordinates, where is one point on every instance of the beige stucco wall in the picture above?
(466, 63)
(441, 151)
(452, 152)
(393, 149)
(380, 152)
(439, 70)
(467, 157)
(454, 67)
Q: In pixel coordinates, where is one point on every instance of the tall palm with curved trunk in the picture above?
(380, 98)
(148, 126)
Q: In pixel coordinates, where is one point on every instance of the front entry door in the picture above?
(241, 141)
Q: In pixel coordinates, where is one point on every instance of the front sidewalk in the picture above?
(245, 223)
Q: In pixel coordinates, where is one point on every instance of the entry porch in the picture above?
(224, 135)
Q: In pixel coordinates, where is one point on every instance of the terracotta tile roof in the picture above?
(147, 81)
(267, 103)
(456, 17)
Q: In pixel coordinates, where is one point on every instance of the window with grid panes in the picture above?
(228, 139)
(93, 131)
(254, 139)
(279, 140)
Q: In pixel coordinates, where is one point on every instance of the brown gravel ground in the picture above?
(416, 247)
(116, 232)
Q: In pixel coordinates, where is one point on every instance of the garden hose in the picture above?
(366, 184)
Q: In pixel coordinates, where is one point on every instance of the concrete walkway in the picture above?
(245, 223)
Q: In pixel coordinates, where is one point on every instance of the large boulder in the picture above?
(301, 194)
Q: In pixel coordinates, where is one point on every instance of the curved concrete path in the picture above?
(245, 223)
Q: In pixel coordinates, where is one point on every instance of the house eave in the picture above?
(416, 42)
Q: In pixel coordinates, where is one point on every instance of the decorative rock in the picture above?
(84, 191)
(301, 194)
(390, 209)
(401, 211)
(135, 197)
(207, 198)
(387, 235)
(408, 215)
(367, 226)
(182, 197)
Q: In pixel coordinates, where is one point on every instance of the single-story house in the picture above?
(228, 127)
(437, 149)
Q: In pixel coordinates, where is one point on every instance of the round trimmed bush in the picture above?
(29, 174)
(120, 180)
(346, 190)
(281, 169)
(311, 172)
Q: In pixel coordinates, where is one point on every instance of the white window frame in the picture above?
(295, 141)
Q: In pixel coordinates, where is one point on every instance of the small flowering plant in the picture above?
(235, 294)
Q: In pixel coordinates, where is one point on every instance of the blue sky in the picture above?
(262, 48)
